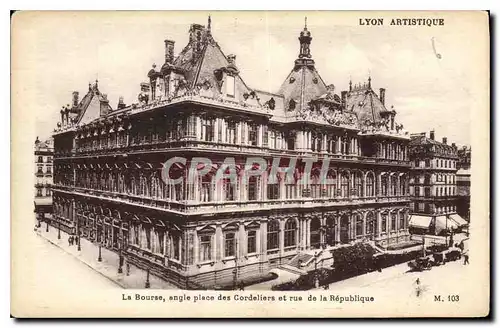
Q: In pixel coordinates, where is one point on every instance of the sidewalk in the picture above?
(109, 265)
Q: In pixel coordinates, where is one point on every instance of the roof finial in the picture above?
(209, 23)
(305, 23)
(369, 80)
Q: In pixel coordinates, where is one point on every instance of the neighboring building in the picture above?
(433, 185)
(463, 182)
(44, 152)
(108, 164)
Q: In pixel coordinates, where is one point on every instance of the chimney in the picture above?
(431, 135)
(382, 95)
(195, 36)
(445, 140)
(104, 104)
(75, 99)
(121, 104)
(343, 96)
(169, 51)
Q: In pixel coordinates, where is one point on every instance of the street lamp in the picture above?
(120, 262)
(100, 257)
(58, 229)
(147, 285)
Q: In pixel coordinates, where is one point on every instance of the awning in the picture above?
(444, 223)
(458, 219)
(420, 221)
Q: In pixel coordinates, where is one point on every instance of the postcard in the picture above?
(250, 163)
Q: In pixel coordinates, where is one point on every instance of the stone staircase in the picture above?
(301, 260)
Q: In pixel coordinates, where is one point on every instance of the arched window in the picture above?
(402, 221)
(344, 186)
(394, 185)
(393, 221)
(384, 181)
(359, 224)
(330, 231)
(273, 228)
(315, 233)
(402, 184)
(384, 222)
(370, 181)
(290, 233)
(370, 224)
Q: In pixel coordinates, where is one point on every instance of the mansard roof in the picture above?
(367, 105)
(202, 60)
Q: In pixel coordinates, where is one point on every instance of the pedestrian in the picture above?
(242, 287)
(69, 241)
(76, 240)
(466, 258)
(128, 269)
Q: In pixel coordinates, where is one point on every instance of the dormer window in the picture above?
(230, 85)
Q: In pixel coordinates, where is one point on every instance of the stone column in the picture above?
(242, 250)
(339, 145)
(196, 247)
(198, 127)
(260, 134)
(219, 242)
(238, 132)
(337, 229)
(216, 130)
(324, 144)
(308, 233)
(263, 239)
(282, 235)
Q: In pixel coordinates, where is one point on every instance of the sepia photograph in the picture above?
(220, 164)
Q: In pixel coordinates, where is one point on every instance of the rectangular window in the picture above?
(40, 159)
(252, 134)
(40, 169)
(205, 248)
(273, 191)
(273, 138)
(231, 133)
(230, 85)
(207, 129)
(265, 136)
(252, 242)
(39, 192)
(229, 244)
(252, 188)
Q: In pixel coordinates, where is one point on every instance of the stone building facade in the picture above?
(109, 185)
(44, 152)
(433, 185)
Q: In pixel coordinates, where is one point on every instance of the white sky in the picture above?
(65, 51)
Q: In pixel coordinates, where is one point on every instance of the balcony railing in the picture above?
(189, 144)
(196, 207)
